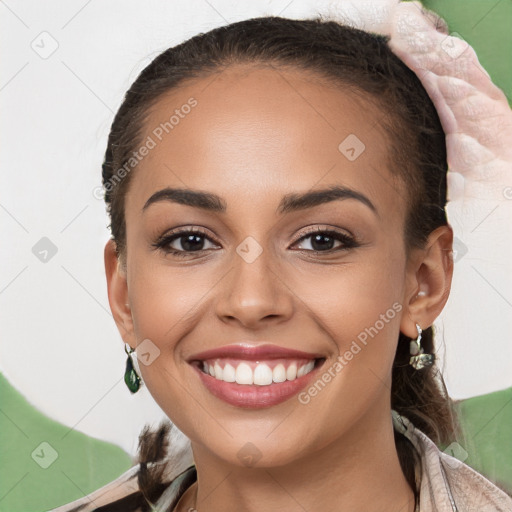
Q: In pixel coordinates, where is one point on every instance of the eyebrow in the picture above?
(289, 203)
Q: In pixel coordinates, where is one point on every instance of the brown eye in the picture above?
(324, 240)
(182, 243)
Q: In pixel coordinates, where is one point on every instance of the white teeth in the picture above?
(218, 371)
(305, 368)
(291, 372)
(262, 375)
(243, 374)
(279, 373)
(309, 367)
(229, 374)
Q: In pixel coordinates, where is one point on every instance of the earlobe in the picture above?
(429, 282)
(117, 288)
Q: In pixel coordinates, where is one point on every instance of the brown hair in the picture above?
(353, 60)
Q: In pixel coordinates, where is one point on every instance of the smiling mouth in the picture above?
(259, 373)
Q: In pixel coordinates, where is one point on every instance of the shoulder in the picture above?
(449, 484)
(162, 473)
(123, 491)
(124, 494)
(472, 490)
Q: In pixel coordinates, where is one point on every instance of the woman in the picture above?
(279, 253)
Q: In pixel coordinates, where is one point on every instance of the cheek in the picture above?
(354, 301)
(165, 300)
(360, 309)
(167, 304)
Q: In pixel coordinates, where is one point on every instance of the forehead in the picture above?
(255, 131)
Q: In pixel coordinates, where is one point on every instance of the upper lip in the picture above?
(252, 352)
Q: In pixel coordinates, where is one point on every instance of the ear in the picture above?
(118, 293)
(429, 280)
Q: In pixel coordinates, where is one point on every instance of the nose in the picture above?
(254, 293)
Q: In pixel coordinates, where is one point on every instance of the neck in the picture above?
(358, 472)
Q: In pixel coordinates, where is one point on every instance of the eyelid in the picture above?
(180, 231)
(323, 229)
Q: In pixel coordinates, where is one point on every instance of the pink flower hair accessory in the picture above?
(474, 112)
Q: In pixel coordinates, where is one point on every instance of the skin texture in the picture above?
(256, 135)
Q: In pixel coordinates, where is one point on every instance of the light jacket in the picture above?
(447, 484)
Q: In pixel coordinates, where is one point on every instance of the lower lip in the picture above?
(254, 396)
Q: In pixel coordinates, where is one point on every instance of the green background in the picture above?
(82, 464)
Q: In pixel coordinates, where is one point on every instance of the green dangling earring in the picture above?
(131, 379)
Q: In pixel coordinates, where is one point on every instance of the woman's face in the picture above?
(263, 272)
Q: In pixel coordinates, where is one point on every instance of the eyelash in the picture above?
(163, 242)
